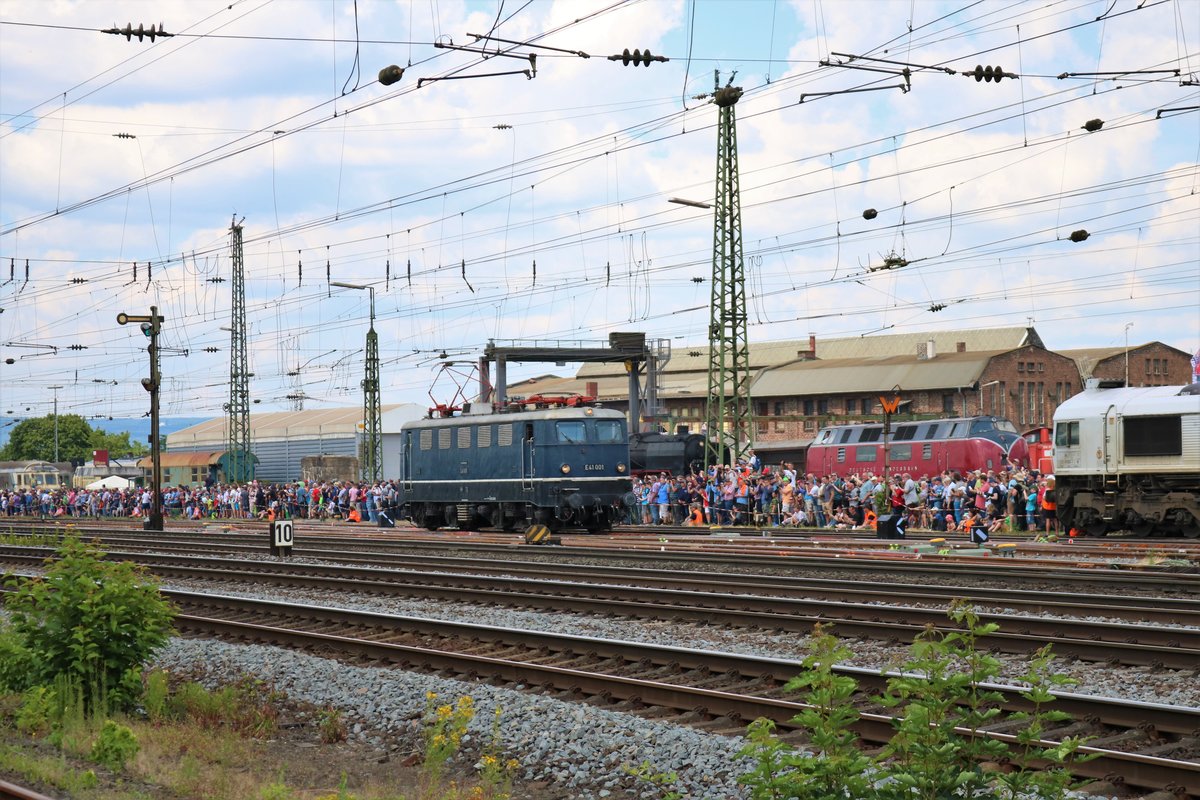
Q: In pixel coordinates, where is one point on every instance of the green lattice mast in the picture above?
(728, 413)
(237, 420)
(372, 461)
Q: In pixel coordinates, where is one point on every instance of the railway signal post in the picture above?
(151, 324)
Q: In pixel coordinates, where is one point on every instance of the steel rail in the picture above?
(908, 565)
(1114, 643)
(1144, 771)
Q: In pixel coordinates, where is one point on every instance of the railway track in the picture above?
(1019, 572)
(1148, 747)
(774, 606)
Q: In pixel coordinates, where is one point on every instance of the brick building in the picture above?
(798, 387)
(1151, 364)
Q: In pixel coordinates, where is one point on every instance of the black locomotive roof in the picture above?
(515, 416)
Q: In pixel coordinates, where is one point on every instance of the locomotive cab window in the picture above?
(981, 426)
(826, 437)
(1153, 436)
(609, 432)
(1066, 434)
(571, 432)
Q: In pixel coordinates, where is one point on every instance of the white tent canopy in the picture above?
(111, 482)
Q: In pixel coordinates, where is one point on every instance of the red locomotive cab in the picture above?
(1040, 445)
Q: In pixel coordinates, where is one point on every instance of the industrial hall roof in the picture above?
(867, 375)
(772, 354)
(279, 425)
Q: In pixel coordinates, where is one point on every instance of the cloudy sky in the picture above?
(494, 207)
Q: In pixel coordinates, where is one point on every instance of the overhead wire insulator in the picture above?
(637, 57)
(1093, 125)
(989, 74)
(141, 30)
(1079, 235)
(870, 213)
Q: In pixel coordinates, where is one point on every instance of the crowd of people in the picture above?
(254, 500)
(978, 502)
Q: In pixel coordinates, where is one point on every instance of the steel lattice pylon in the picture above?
(237, 420)
(372, 449)
(728, 413)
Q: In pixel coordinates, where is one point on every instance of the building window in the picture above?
(868, 405)
(809, 425)
(761, 408)
(761, 425)
(851, 405)
(1041, 366)
(1021, 402)
(808, 408)
(780, 426)
(1041, 402)
(823, 405)
(1020, 366)
(948, 403)
(779, 408)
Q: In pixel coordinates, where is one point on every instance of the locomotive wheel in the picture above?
(1098, 528)
(427, 518)
(1142, 528)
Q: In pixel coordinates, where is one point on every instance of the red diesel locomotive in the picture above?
(928, 447)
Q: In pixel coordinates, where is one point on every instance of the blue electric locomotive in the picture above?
(560, 467)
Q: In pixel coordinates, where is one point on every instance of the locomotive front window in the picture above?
(1066, 434)
(571, 432)
(609, 432)
(1004, 425)
(981, 426)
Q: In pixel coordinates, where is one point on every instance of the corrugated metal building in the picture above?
(280, 439)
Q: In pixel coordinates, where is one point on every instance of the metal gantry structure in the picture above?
(728, 413)
(240, 462)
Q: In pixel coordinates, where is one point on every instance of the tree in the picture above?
(33, 439)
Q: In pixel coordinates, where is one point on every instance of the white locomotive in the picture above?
(1129, 459)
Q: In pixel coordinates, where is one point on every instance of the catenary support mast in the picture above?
(728, 414)
(240, 462)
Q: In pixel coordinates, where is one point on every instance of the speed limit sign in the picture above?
(282, 531)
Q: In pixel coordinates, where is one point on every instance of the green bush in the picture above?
(91, 620)
(16, 662)
(114, 746)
